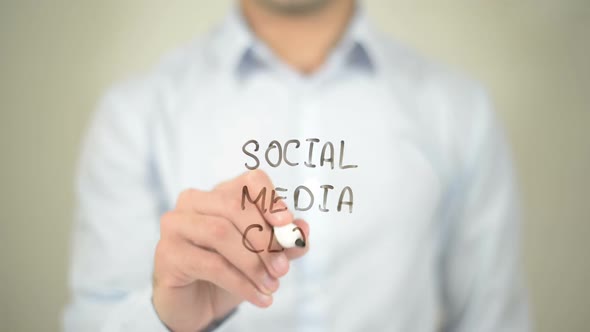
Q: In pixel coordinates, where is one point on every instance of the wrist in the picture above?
(179, 310)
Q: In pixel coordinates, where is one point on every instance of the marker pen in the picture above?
(289, 236)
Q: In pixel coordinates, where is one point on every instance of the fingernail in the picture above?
(283, 217)
(263, 298)
(280, 263)
(281, 213)
(269, 284)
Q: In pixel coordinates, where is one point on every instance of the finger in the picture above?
(220, 235)
(212, 267)
(257, 232)
(225, 205)
(257, 184)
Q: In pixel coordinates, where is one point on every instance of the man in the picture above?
(396, 164)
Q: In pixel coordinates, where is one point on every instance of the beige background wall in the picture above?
(57, 57)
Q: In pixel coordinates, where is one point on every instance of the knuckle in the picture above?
(161, 249)
(165, 281)
(167, 222)
(187, 195)
(222, 186)
(256, 176)
(234, 203)
(223, 195)
(163, 256)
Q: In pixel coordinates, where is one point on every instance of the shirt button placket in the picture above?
(312, 315)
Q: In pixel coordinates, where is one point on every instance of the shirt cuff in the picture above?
(217, 323)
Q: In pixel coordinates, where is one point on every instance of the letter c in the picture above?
(245, 242)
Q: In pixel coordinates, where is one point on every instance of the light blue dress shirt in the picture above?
(431, 244)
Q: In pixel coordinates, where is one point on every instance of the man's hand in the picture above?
(202, 270)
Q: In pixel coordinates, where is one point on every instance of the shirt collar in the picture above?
(239, 51)
(356, 46)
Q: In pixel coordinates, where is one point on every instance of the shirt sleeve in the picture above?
(482, 281)
(116, 224)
